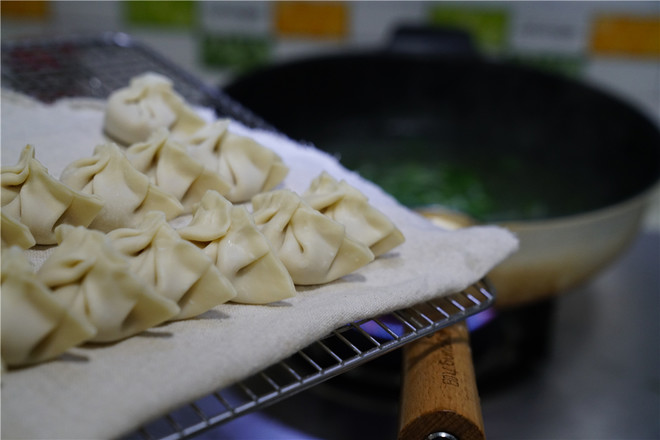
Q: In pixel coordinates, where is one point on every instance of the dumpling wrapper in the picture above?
(149, 102)
(228, 235)
(248, 167)
(36, 325)
(348, 206)
(36, 199)
(314, 248)
(127, 193)
(95, 279)
(177, 269)
(169, 167)
(15, 233)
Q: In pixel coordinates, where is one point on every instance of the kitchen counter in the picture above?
(601, 379)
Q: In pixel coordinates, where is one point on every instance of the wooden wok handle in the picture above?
(439, 395)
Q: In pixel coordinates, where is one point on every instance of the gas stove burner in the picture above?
(376, 330)
(512, 346)
(475, 322)
(507, 346)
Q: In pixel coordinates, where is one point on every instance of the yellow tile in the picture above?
(311, 19)
(25, 9)
(626, 35)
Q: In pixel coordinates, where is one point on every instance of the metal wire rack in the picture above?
(338, 352)
(95, 66)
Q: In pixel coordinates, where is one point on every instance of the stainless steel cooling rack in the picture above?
(84, 66)
(94, 66)
(340, 351)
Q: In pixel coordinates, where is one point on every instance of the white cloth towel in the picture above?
(105, 391)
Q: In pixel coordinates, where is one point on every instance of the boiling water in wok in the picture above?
(495, 141)
(440, 165)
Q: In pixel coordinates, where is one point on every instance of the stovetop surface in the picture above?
(600, 377)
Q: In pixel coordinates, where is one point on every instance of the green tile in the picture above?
(567, 65)
(236, 51)
(176, 14)
(488, 26)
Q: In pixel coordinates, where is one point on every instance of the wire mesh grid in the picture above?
(341, 350)
(95, 66)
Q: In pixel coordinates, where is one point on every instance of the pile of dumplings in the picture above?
(117, 266)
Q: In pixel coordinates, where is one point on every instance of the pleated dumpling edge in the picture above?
(176, 268)
(350, 207)
(314, 248)
(229, 236)
(34, 198)
(88, 273)
(127, 193)
(36, 325)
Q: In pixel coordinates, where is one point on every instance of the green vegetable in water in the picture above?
(417, 184)
(468, 189)
(486, 185)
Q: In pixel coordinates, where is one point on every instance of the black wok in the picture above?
(567, 167)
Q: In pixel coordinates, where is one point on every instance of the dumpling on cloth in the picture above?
(176, 268)
(36, 199)
(95, 280)
(348, 206)
(36, 325)
(127, 193)
(228, 235)
(314, 248)
(170, 168)
(147, 103)
(248, 167)
(15, 233)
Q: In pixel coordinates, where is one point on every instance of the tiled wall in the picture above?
(613, 44)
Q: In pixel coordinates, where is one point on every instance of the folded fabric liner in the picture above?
(105, 391)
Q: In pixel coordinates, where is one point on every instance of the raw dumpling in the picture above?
(127, 193)
(34, 198)
(241, 252)
(314, 248)
(247, 166)
(176, 268)
(348, 206)
(95, 280)
(36, 325)
(169, 167)
(148, 103)
(15, 233)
